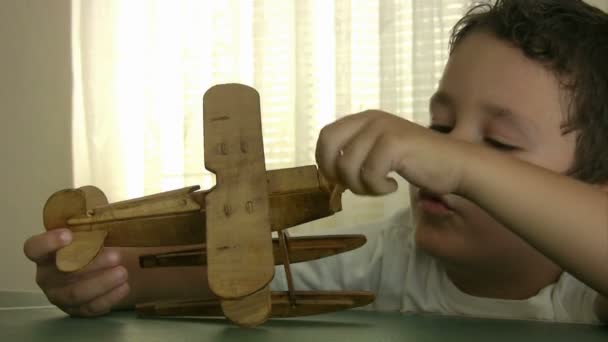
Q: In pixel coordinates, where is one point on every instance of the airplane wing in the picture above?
(239, 243)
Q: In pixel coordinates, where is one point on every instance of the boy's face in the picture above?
(491, 94)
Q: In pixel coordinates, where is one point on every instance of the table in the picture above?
(29, 317)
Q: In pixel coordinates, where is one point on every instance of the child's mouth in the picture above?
(432, 203)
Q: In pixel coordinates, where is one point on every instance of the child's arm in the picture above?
(112, 281)
(565, 219)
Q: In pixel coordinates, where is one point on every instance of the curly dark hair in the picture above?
(570, 38)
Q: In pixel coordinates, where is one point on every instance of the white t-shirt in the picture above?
(408, 280)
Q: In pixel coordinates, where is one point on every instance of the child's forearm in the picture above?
(565, 219)
(165, 283)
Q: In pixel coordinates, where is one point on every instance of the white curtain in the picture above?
(601, 4)
(141, 68)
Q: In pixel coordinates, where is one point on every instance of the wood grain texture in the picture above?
(175, 218)
(309, 303)
(59, 208)
(232, 221)
(85, 246)
(295, 179)
(94, 196)
(164, 203)
(300, 249)
(167, 230)
(249, 311)
(239, 248)
(171, 218)
(299, 195)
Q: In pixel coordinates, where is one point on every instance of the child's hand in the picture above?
(90, 292)
(358, 151)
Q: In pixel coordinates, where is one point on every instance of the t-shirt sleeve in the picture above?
(574, 301)
(377, 266)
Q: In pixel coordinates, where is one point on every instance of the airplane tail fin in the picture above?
(84, 248)
(62, 206)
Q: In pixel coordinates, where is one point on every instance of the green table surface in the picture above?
(28, 317)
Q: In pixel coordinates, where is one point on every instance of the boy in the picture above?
(509, 202)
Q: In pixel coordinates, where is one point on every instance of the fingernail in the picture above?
(65, 237)
(120, 273)
(113, 257)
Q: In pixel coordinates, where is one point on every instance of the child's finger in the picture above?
(39, 248)
(332, 139)
(84, 291)
(380, 161)
(107, 258)
(104, 303)
(47, 276)
(350, 165)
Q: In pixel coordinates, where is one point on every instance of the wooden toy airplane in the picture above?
(233, 222)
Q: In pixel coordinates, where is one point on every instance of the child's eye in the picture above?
(499, 146)
(441, 128)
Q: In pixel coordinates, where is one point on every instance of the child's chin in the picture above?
(440, 241)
